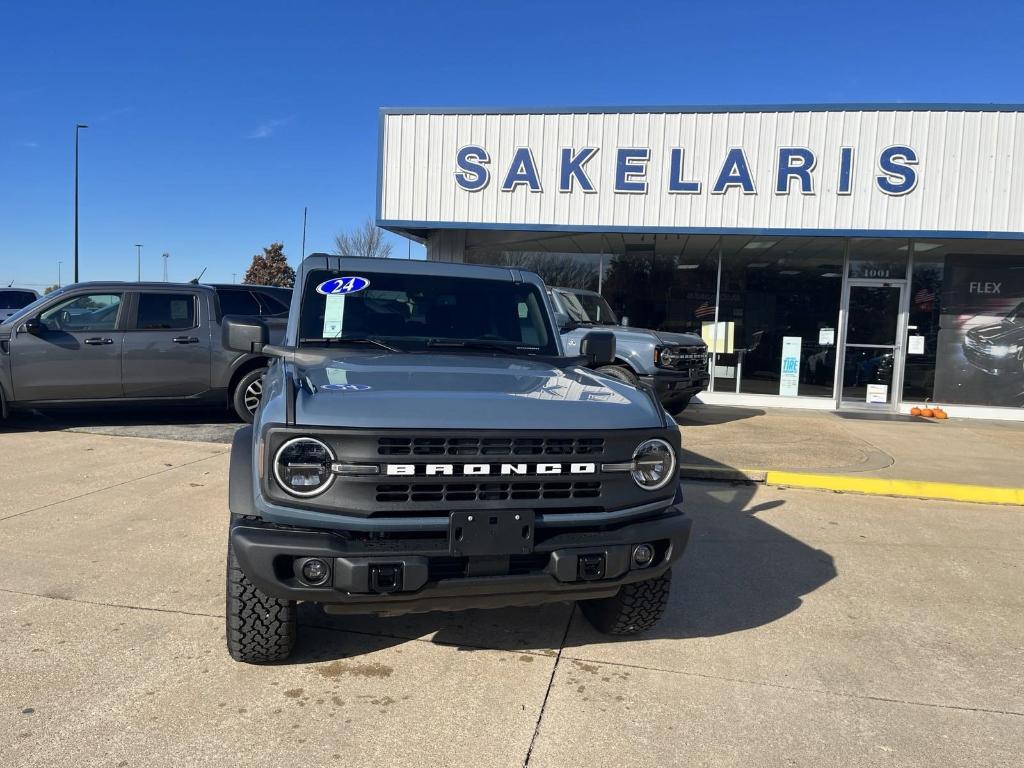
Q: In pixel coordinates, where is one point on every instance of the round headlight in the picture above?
(670, 357)
(302, 466)
(654, 464)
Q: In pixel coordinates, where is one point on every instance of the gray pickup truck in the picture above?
(674, 365)
(424, 443)
(114, 342)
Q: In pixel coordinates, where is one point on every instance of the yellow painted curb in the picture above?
(981, 494)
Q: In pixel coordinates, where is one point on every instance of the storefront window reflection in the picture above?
(778, 311)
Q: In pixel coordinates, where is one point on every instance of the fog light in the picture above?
(315, 571)
(643, 555)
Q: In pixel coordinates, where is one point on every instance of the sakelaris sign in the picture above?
(795, 168)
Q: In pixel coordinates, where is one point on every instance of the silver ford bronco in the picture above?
(424, 443)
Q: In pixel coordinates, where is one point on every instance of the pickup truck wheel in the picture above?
(247, 394)
(636, 608)
(620, 373)
(260, 628)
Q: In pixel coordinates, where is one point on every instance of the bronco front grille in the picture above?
(490, 446)
(399, 493)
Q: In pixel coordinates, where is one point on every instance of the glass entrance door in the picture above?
(871, 352)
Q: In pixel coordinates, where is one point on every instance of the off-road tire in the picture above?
(620, 373)
(636, 608)
(260, 628)
(242, 393)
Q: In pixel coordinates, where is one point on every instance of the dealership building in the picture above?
(833, 256)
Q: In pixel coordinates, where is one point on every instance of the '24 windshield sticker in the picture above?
(342, 286)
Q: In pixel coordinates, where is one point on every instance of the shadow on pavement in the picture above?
(174, 421)
(712, 415)
(738, 572)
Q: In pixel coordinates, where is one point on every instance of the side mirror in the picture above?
(244, 334)
(33, 325)
(598, 347)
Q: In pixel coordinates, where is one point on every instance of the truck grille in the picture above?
(494, 491)
(490, 446)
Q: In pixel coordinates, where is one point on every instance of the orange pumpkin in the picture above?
(938, 413)
(915, 411)
(927, 412)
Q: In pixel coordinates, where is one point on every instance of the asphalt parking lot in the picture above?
(805, 629)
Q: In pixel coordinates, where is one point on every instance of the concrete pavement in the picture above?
(963, 459)
(805, 629)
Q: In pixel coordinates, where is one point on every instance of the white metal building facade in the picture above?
(908, 214)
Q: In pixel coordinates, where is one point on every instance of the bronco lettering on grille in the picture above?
(433, 470)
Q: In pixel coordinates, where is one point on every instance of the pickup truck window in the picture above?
(415, 312)
(166, 311)
(16, 299)
(239, 303)
(91, 312)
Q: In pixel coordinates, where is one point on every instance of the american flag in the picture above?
(924, 298)
(705, 310)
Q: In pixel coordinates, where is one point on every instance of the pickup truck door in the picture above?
(76, 355)
(167, 345)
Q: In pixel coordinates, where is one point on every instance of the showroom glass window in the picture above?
(967, 301)
(778, 313)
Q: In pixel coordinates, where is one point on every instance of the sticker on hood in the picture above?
(342, 286)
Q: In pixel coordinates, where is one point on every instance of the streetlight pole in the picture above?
(58, 273)
(78, 127)
(165, 257)
(138, 256)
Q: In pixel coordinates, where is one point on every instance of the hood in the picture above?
(996, 333)
(414, 391)
(628, 335)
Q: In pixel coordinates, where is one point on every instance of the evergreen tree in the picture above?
(270, 268)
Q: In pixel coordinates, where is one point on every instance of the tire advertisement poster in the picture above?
(980, 344)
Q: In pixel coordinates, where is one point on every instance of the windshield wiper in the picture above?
(493, 346)
(352, 340)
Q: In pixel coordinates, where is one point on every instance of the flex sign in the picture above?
(796, 169)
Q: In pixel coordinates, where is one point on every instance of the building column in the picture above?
(446, 245)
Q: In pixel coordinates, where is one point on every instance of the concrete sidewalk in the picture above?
(968, 460)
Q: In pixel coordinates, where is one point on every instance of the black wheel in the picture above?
(247, 394)
(260, 628)
(620, 373)
(636, 608)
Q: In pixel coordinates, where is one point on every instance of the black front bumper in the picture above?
(671, 386)
(393, 575)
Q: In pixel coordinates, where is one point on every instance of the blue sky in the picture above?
(213, 124)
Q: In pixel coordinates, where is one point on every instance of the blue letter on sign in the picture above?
(845, 171)
(522, 170)
(473, 176)
(735, 173)
(675, 176)
(795, 162)
(572, 168)
(629, 163)
(898, 177)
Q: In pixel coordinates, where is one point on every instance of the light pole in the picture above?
(165, 257)
(78, 127)
(58, 273)
(138, 258)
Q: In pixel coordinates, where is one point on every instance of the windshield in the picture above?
(416, 312)
(29, 308)
(588, 308)
(1016, 315)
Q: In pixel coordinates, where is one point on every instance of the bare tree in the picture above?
(564, 270)
(367, 240)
